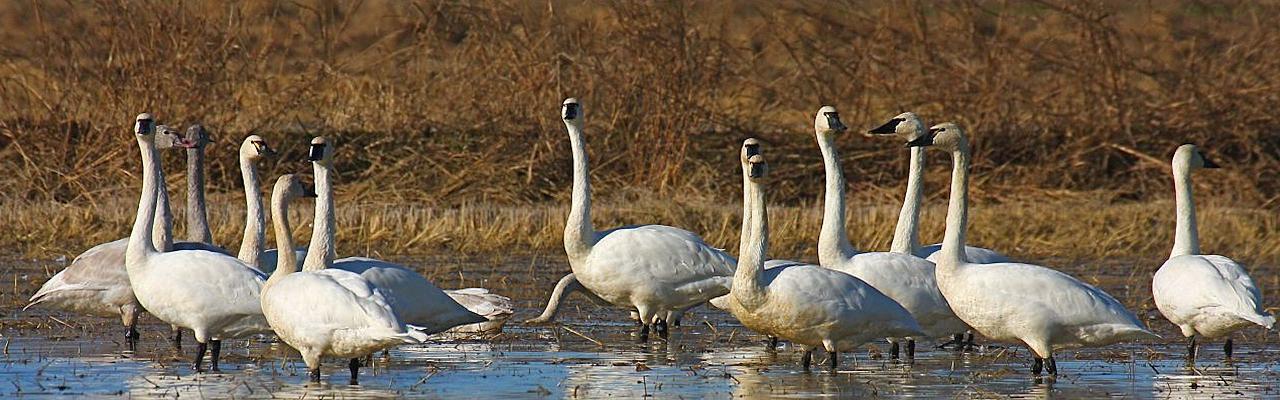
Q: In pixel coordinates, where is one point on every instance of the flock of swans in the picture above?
(351, 307)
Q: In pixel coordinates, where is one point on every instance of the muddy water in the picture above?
(711, 356)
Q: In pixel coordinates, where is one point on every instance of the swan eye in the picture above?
(317, 152)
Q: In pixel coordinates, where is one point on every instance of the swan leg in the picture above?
(215, 350)
(315, 375)
(646, 319)
(201, 347)
(893, 350)
(129, 315)
(354, 365)
(1191, 349)
(1226, 349)
(177, 337)
(642, 335)
(968, 343)
(661, 328)
(1037, 366)
(1052, 366)
(773, 342)
(833, 353)
(911, 349)
(807, 359)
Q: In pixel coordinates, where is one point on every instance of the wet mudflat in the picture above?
(711, 356)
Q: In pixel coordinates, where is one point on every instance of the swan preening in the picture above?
(1041, 307)
(907, 279)
(1207, 296)
(655, 270)
(806, 304)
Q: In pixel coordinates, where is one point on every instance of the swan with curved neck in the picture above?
(906, 238)
(656, 270)
(1207, 296)
(418, 302)
(213, 294)
(905, 278)
(1014, 302)
(325, 312)
(96, 283)
(806, 304)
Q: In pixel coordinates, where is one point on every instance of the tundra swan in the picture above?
(213, 294)
(907, 279)
(324, 311)
(1207, 296)
(1046, 309)
(906, 238)
(96, 283)
(652, 269)
(417, 301)
(806, 304)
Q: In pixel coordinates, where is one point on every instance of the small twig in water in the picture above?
(580, 334)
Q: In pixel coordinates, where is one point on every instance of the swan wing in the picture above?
(209, 289)
(1192, 284)
(975, 255)
(481, 301)
(675, 264)
(416, 300)
(335, 310)
(95, 282)
(911, 282)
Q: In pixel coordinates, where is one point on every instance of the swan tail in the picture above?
(52, 287)
(414, 335)
(1263, 320)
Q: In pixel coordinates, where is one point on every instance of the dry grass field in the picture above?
(449, 138)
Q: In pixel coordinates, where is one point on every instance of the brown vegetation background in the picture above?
(444, 104)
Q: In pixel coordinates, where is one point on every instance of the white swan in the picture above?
(252, 150)
(905, 278)
(213, 294)
(494, 307)
(806, 304)
(906, 238)
(418, 302)
(1207, 296)
(96, 283)
(323, 311)
(1046, 309)
(652, 269)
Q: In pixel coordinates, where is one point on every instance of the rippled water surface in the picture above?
(51, 353)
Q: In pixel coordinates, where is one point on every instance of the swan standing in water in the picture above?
(417, 301)
(1207, 296)
(96, 282)
(906, 238)
(1046, 309)
(656, 270)
(907, 279)
(213, 294)
(803, 303)
(323, 311)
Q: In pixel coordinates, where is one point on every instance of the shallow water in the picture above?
(711, 356)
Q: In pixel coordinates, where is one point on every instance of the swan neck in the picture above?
(906, 238)
(579, 234)
(162, 225)
(140, 244)
(286, 259)
(748, 286)
(197, 211)
(953, 241)
(255, 219)
(833, 241)
(1186, 235)
(321, 252)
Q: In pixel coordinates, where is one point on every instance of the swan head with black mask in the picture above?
(907, 126)
(827, 122)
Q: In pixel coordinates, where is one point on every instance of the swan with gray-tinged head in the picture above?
(1206, 296)
(806, 304)
(1015, 302)
(417, 301)
(906, 238)
(324, 311)
(653, 269)
(213, 294)
(907, 279)
(96, 282)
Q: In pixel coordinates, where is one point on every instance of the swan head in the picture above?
(321, 150)
(947, 136)
(907, 126)
(828, 121)
(255, 148)
(289, 187)
(571, 112)
(169, 138)
(1189, 156)
(753, 164)
(198, 136)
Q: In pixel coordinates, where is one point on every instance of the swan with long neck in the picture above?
(906, 238)
(96, 283)
(905, 278)
(325, 312)
(197, 213)
(655, 270)
(1207, 296)
(1014, 302)
(418, 302)
(253, 150)
(210, 293)
(806, 304)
